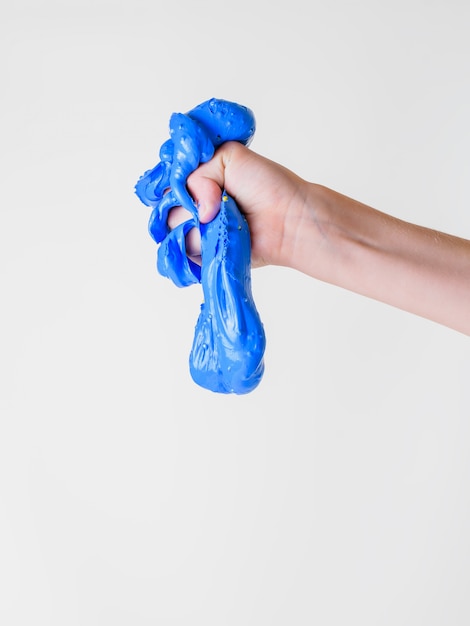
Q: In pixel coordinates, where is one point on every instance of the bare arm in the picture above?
(336, 239)
(416, 269)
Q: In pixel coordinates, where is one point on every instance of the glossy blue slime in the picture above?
(229, 341)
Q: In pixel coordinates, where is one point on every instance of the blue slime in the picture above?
(229, 340)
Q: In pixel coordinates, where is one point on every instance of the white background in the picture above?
(336, 493)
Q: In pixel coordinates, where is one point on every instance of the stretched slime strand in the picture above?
(229, 340)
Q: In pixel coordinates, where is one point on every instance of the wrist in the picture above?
(337, 239)
(310, 231)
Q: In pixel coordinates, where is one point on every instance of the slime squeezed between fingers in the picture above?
(229, 341)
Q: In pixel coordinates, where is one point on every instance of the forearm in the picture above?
(416, 269)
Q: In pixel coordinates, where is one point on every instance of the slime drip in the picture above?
(229, 340)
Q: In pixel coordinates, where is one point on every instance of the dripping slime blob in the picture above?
(229, 340)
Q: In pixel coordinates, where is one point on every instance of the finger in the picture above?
(177, 215)
(193, 245)
(206, 192)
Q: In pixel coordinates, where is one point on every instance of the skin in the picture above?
(333, 238)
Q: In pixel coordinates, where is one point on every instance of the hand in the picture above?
(272, 198)
(334, 238)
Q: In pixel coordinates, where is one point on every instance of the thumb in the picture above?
(205, 185)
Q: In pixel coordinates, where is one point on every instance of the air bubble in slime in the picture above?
(229, 339)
